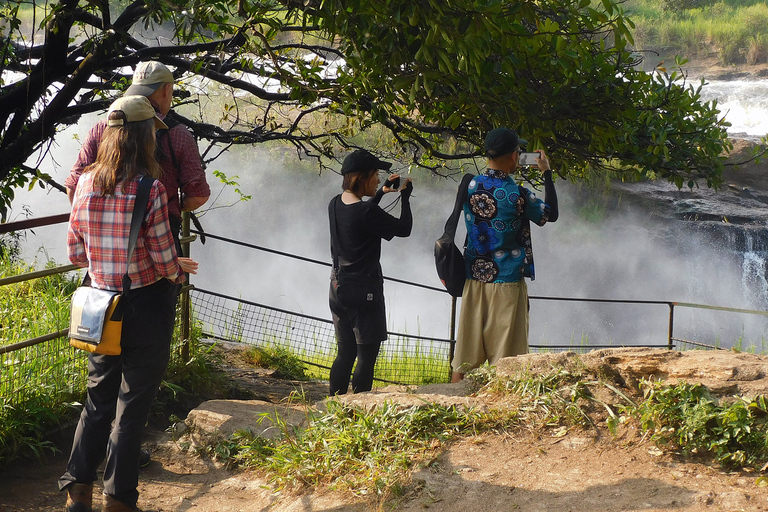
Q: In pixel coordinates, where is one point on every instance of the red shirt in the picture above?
(189, 176)
(98, 232)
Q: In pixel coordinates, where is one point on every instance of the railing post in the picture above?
(452, 337)
(671, 325)
(184, 299)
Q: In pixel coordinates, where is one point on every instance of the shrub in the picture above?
(757, 50)
(281, 359)
(680, 6)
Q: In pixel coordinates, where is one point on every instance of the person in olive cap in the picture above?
(357, 285)
(493, 322)
(183, 174)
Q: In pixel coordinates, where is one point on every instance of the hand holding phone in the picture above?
(527, 159)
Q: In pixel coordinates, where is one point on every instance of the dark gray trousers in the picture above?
(122, 389)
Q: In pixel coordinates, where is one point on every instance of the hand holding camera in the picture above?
(392, 184)
(407, 188)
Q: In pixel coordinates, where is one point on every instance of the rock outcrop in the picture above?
(725, 373)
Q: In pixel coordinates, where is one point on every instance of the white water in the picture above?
(743, 103)
(621, 257)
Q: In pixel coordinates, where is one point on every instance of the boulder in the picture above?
(723, 372)
(446, 395)
(224, 417)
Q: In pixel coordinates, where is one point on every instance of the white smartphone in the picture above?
(527, 159)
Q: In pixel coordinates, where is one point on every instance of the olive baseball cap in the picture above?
(501, 141)
(148, 77)
(135, 108)
(361, 160)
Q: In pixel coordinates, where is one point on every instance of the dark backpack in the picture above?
(449, 259)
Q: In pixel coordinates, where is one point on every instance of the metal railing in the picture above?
(45, 368)
(192, 307)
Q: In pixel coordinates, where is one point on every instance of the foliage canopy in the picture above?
(316, 73)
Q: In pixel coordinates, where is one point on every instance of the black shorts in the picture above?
(361, 326)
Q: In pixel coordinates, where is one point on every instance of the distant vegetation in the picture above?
(735, 31)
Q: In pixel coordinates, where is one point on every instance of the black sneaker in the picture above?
(144, 458)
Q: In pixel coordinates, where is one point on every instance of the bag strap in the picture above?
(334, 236)
(461, 196)
(139, 207)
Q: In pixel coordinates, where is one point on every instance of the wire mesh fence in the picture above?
(404, 359)
(50, 373)
(45, 374)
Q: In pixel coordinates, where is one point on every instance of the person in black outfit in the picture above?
(357, 228)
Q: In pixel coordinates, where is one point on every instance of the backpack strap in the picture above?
(171, 122)
(334, 236)
(461, 196)
(137, 218)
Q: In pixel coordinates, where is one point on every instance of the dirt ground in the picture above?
(557, 471)
(490, 473)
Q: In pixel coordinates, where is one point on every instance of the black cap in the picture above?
(361, 160)
(501, 141)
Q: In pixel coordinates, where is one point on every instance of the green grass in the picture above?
(42, 386)
(367, 453)
(38, 384)
(279, 358)
(33, 308)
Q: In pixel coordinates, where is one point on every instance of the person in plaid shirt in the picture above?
(121, 388)
(182, 172)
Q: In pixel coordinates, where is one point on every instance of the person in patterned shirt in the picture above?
(121, 388)
(493, 322)
(183, 175)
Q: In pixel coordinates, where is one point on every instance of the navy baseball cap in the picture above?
(501, 141)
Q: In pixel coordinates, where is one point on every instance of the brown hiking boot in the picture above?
(79, 498)
(113, 505)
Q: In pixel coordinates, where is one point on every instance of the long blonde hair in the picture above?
(124, 152)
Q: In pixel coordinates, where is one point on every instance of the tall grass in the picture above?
(33, 308)
(42, 386)
(734, 31)
(368, 453)
(38, 384)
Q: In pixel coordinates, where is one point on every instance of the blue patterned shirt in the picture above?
(498, 213)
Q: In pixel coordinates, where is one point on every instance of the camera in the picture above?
(527, 159)
(395, 183)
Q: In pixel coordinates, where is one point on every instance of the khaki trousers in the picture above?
(493, 323)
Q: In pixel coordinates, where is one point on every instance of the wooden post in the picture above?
(184, 299)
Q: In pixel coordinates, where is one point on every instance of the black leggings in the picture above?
(362, 380)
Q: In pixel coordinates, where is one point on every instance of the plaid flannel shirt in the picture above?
(99, 227)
